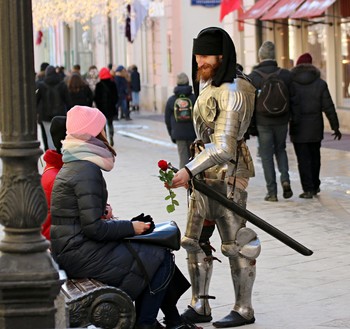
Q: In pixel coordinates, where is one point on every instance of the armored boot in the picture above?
(243, 273)
(200, 268)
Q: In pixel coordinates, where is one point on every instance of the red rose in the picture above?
(163, 165)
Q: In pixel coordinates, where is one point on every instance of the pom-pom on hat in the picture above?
(304, 59)
(182, 79)
(85, 120)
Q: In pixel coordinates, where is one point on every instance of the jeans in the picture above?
(135, 96)
(124, 107)
(183, 149)
(309, 165)
(149, 302)
(272, 141)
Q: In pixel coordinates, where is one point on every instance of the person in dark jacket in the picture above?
(53, 160)
(181, 133)
(306, 126)
(135, 86)
(52, 99)
(123, 91)
(106, 98)
(272, 131)
(86, 245)
(79, 91)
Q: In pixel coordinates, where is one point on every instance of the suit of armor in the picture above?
(221, 117)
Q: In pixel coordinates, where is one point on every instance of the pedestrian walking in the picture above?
(106, 99)
(306, 125)
(178, 118)
(52, 99)
(272, 126)
(123, 92)
(135, 86)
(92, 78)
(79, 91)
(222, 160)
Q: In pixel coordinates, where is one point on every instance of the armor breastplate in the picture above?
(221, 117)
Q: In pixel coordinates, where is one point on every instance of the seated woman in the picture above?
(86, 244)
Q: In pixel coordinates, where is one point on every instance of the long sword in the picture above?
(249, 216)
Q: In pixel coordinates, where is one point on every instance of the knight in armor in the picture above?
(222, 160)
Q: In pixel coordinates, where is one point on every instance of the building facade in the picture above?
(163, 45)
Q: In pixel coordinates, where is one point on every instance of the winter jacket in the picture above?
(270, 66)
(135, 83)
(122, 86)
(179, 130)
(313, 98)
(53, 165)
(86, 246)
(83, 97)
(52, 96)
(106, 97)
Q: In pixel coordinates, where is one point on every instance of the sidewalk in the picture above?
(291, 291)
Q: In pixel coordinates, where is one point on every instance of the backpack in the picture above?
(273, 98)
(183, 109)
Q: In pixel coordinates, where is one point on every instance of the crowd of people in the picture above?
(209, 123)
(115, 91)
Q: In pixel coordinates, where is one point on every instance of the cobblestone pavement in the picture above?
(291, 291)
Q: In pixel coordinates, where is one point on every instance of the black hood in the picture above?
(227, 69)
(305, 74)
(51, 76)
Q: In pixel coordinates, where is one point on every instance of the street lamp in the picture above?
(29, 279)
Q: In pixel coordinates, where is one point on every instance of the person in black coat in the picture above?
(87, 244)
(106, 99)
(79, 91)
(181, 133)
(52, 99)
(306, 126)
(135, 86)
(272, 131)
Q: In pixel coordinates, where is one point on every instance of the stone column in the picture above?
(29, 279)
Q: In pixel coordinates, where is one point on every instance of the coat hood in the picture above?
(51, 76)
(305, 73)
(105, 74)
(186, 90)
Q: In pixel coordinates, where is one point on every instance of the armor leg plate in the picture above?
(200, 268)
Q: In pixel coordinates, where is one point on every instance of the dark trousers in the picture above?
(162, 297)
(309, 165)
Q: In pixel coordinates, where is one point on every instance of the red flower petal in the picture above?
(162, 164)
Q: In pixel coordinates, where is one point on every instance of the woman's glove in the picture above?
(145, 219)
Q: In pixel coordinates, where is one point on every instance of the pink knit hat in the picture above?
(85, 120)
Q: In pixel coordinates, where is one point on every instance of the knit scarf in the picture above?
(86, 147)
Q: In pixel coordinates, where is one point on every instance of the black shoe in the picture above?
(272, 198)
(287, 191)
(191, 316)
(306, 195)
(233, 319)
(317, 191)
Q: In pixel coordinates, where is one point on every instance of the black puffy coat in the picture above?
(179, 130)
(106, 97)
(83, 244)
(313, 98)
(52, 96)
(270, 66)
(135, 81)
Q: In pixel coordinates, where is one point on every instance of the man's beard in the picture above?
(207, 71)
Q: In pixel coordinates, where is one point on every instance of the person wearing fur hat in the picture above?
(85, 246)
(272, 130)
(306, 126)
(181, 132)
(106, 99)
(53, 160)
(221, 159)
